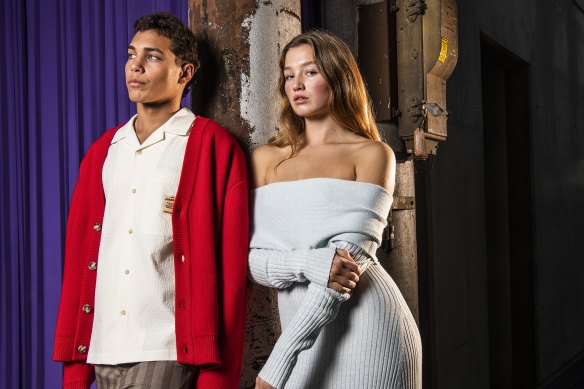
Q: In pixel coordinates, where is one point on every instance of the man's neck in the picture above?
(151, 118)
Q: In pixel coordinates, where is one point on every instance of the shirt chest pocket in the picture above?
(156, 214)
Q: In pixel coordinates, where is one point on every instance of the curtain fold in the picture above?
(61, 86)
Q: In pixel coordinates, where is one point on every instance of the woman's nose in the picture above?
(298, 84)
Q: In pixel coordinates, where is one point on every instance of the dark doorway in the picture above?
(509, 219)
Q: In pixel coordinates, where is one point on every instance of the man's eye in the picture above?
(153, 57)
(131, 55)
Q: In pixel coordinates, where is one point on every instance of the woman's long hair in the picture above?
(349, 105)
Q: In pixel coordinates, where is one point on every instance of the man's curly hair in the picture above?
(183, 43)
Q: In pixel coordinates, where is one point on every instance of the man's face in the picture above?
(152, 74)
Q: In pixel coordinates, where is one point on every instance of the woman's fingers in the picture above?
(347, 261)
(344, 273)
(338, 287)
(351, 266)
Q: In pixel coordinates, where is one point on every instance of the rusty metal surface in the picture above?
(224, 50)
(410, 73)
(239, 43)
(427, 52)
(401, 263)
(262, 329)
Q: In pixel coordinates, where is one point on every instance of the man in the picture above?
(156, 251)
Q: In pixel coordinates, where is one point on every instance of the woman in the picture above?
(324, 188)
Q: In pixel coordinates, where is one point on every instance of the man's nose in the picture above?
(136, 65)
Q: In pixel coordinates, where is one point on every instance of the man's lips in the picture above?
(136, 83)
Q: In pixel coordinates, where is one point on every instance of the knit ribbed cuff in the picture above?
(280, 269)
(320, 306)
(316, 264)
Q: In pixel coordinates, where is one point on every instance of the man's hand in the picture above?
(261, 384)
(344, 273)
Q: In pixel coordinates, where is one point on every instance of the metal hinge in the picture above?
(403, 203)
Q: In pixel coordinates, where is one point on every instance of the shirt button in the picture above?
(130, 231)
(97, 227)
(92, 265)
(123, 312)
(126, 271)
(182, 257)
(133, 190)
(82, 349)
(86, 308)
(139, 152)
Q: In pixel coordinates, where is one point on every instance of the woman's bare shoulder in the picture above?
(375, 163)
(263, 158)
(266, 155)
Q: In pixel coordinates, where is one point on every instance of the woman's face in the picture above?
(306, 88)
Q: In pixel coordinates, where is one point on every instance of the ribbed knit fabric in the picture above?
(372, 340)
(280, 269)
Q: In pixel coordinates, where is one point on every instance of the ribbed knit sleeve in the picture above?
(280, 269)
(77, 375)
(320, 307)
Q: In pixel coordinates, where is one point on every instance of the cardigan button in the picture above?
(82, 349)
(97, 227)
(92, 265)
(86, 308)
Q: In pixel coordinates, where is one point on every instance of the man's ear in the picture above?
(188, 71)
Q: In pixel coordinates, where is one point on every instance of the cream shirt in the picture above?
(134, 297)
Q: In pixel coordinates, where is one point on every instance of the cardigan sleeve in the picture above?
(232, 285)
(77, 375)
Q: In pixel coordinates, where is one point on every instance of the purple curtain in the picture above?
(61, 86)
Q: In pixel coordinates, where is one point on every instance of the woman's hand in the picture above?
(344, 273)
(261, 384)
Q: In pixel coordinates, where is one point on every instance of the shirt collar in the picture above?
(179, 124)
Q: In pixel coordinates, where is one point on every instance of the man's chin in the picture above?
(139, 100)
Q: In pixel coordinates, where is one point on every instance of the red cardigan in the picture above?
(210, 232)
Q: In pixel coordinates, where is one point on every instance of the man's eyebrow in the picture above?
(147, 49)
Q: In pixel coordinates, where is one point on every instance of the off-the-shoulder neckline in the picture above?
(315, 179)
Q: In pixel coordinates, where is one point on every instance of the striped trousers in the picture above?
(146, 375)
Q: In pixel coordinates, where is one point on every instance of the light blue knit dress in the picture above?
(330, 340)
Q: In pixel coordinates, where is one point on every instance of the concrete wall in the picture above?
(550, 37)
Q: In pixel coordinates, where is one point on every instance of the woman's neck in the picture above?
(321, 131)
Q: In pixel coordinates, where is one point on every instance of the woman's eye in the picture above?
(288, 77)
(311, 73)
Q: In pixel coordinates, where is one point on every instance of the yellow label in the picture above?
(443, 50)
